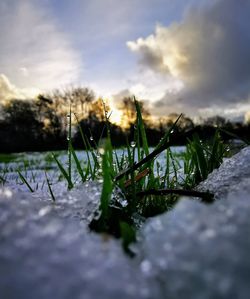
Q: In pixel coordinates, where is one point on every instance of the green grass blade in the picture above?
(142, 131)
(167, 170)
(25, 181)
(92, 152)
(117, 162)
(64, 172)
(86, 144)
(87, 172)
(174, 166)
(128, 236)
(78, 164)
(109, 147)
(138, 142)
(107, 186)
(141, 128)
(49, 187)
(167, 134)
(69, 141)
(107, 120)
(200, 157)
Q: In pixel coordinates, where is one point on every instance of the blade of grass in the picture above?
(64, 172)
(162, 145)
(168, 133)
(87, 172)
(49, 187)
(153, 154)
(141, 127)
(109, 146)
(128, 236)
(173, 164)
(107, 186)
(69, 141)
(78, 164)
(25, 181)
(167, 170)
(142, 133)
(86, 145)
(200, 156)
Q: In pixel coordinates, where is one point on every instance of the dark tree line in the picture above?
(41, 124)
(30, 125)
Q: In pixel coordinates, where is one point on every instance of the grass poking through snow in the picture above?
(147, 187)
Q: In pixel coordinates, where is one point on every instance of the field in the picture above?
(136, 182)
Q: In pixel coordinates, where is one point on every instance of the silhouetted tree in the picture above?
(53, 123)
(84, 98)
(215, 121)
(80, 99)
(40, 124)
(184, 124)
(128, 109)
(22, 124)
(22, 116)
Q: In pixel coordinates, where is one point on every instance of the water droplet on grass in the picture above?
(124, 203)
(133, 144)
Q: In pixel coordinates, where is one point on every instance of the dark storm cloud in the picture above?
(208, 51)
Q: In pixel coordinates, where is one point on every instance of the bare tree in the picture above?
(129, 112)
(79, 98)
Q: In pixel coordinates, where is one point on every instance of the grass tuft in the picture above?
(147, 187)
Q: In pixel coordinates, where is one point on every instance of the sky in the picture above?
(188, 56)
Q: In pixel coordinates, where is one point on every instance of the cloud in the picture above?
(118, 97)
(234, 111)
(34, 52)
(247, 117)
(208, 51)
(9, 91)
